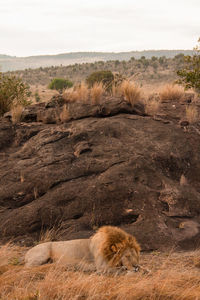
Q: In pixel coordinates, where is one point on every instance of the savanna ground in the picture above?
(173, 275)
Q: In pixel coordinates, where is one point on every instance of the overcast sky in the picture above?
(32, 27)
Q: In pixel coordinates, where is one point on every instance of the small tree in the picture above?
(60, 84)
(190, 75)
(106, 77)
(13, 92)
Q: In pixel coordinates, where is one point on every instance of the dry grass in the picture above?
(116, 90)
(16, 113)
(97, 92)
(43, 92)
(77, 93)
(172, 92)
(183, 180)
(82, 92)
(49, 235)
(131, 92)
(64, 115)
(174, 276)
(152, 106)
(191, 114)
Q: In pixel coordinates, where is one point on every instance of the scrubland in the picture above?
(172, 275)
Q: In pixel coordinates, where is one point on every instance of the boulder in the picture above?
(109, 164)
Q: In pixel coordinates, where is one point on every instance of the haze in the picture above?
(36, 27)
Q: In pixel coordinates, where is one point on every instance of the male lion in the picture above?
(110, 249)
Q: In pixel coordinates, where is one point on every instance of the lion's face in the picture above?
(129, 260)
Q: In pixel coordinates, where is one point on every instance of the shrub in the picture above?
(171, 92)
(13, 92)
(59, 84)
(190, 75)
(37, 97)
(106, 77)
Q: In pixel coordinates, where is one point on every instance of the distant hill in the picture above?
(12, 63)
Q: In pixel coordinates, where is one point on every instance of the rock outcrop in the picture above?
(109, 164)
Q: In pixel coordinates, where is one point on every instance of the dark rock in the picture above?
(109, 165)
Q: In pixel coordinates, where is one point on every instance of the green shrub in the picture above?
(106, 77)
(60, 84)
(13, 92)
(190, 75)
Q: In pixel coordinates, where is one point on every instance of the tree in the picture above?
(190, 75)
(106, 77)
(60, 84)
(13, 92)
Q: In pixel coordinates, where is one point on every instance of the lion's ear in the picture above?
(113, 248)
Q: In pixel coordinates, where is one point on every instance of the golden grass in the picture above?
(116, 90)
(77, 93)
(82, 92)
(174, 276)
(131, 92)
(191, 114)
(96, 92)
(16, 113)
(152, 106)
(172, 92)
(64, 115)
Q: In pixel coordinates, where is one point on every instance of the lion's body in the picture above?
(109, 249)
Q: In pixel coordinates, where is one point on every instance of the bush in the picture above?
(190, 75)
(106, 77)
(13, 92)
(60, 84)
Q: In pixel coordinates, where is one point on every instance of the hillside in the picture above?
(143, 70)
(12, 63)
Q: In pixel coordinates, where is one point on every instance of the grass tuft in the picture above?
(131, 92)
(172, 92)
(96, 92)
(191, 114)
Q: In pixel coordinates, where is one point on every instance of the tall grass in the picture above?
(64, 115)
(152, 106)
(172, 92)
(191, 114)
(172, 277)
(96, 92)
(16, 113)
(131, 92)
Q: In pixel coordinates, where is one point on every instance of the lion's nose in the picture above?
(136, 268)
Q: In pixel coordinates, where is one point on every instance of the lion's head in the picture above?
(118, 248)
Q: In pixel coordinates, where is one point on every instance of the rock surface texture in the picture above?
(109, 164)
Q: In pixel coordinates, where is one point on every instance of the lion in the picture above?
(110, 249)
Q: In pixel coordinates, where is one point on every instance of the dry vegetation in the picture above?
(16, 113)
(191, 114)
(97, 92)
(144, 70)
(172, 92)
(131, 92)
(174, 276)
(64, 115)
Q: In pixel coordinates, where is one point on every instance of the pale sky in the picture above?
(34, 27)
